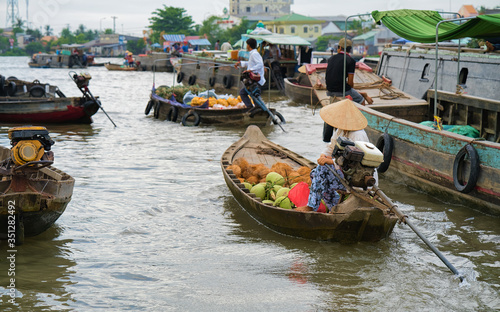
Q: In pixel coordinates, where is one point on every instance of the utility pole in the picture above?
(12, 13)
(114, 28)
(27, 19)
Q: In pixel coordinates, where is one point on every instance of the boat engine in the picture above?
(250, 81)
(358, 161)
(30, 144)
(82, 80)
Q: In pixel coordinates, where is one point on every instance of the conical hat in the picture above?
(343, 115)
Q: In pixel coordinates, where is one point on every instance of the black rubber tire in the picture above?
(282, 119)
(2, 83)
(385, 144)
(11, 88)
(172, 114)
(37, 91)
(227, 81)
(89, 107)
(180, 77)
(211, 81)
(148, 107)
(156, 112)
(192, 80)
(12, 78)
(185, 121)
(327, 132)
(470, 151)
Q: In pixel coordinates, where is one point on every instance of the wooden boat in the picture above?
(356, 218)
(46, 60)
(110, 66)
(214, 70)
(34, 102)
(165, 109)
(300, 93)
(156, 61)
(453, 167)
(33, 194)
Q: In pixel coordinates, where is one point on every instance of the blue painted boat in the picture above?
(441, 162)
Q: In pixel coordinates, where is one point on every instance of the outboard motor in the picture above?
(29, 144)
(251, 80)
(358, 161)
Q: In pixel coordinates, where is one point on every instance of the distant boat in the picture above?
(119, 67)
(35, 102)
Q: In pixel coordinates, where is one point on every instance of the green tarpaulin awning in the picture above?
(420, 26)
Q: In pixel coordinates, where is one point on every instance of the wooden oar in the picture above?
(376, 192)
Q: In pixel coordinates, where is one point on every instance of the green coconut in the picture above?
(293, 185)
(259, 190)
(283, 202)
(268, 202)
(248, 185)
(275, 178)
(282, 192)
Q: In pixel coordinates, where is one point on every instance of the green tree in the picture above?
(108, 31)
(35, 33)
(171, 20)
(322, 42)
(136, 46)
(234, 33)
(34, 47)
(210, 28)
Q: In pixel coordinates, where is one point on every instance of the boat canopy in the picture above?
(279, 39)
(174, 38)
(199, 42)
(420, 25)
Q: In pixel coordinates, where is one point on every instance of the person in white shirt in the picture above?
(254, 64)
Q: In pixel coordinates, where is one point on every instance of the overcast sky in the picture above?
(132, 16)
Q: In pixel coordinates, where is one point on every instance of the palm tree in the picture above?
(48, 30)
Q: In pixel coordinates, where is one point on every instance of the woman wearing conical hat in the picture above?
(349, 122)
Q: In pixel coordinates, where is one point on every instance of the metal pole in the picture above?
(345, 46)
(437, 55)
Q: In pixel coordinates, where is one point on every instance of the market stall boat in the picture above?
(355, 219)
(33, 193)
(216, 70)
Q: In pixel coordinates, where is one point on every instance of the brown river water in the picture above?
(152, 225)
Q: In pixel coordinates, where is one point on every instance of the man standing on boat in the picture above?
(255, 64)
(335, 75)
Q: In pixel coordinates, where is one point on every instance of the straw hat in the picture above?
(343, 115)
(348, 43)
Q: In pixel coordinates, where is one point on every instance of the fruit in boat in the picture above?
(247, 185)
(259, 190)
(275, 178)
(283, 202)
(268, 202)
(282, 192)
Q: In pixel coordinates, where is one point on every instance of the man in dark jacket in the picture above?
(335, 75)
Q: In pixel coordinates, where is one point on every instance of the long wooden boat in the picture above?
(34, 102)
(355, 219)
(33, 196)
(165, 109)
(110, 66)
(156, 61)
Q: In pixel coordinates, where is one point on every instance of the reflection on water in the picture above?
(153, 227)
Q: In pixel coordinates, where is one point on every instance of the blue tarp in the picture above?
(200, 42)
(174, 38)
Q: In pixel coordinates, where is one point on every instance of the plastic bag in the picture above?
(299, 195)
(208, 94)
(188, 97)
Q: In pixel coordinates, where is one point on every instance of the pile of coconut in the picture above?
(270, 184)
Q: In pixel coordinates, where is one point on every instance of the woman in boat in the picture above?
(349, 122)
